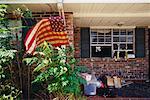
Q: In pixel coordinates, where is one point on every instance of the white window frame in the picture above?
(112, 42)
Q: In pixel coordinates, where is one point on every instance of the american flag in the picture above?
(51, 30)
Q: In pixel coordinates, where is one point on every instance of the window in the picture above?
(110, 42)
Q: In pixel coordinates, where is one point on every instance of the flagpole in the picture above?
(61, 10)
(61, 13)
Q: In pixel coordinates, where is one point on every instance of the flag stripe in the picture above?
(43, 30)
(28, 33)
(32, 48)
(51, 40)
(30, 43)
(50, 35)
(33, 32)
(45, 25)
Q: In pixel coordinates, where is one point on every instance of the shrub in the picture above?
(56, 70)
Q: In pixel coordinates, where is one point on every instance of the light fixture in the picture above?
(120, 24)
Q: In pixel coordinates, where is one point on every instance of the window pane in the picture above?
(129, 39)
(115, 32)
(100, 32)
(115, 47)
(130, 46)
(101, 51)
(100, 39)
(130, 32)
(122, 39)
(108, 32)
(122, 54)
(122, 46)
(122, 32)
(130, 52)
(94, 39)
(116, 39)
(108, 39)
(101, 36)
(93, 33)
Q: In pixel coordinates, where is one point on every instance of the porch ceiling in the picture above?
(102, 14)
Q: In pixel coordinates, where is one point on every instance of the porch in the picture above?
(111, 39)
(83, 20)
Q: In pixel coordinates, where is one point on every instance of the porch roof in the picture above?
(74, 1)
(100, 14)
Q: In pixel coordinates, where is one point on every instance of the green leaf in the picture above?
(43, 64)
(64, 83)
(72, 61)
(30, 61)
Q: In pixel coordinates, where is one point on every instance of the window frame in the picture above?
(112, 42)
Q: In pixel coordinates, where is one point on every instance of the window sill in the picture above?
(112, 59)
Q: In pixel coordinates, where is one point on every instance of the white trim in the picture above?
(132, 15)
(106, 1)
(73, 1)
(110, 27)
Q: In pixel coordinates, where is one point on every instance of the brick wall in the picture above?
(131, 69)
(68, 17)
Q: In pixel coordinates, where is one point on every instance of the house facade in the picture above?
(131, 68)
(111, 40)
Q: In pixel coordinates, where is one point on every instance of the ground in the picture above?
(135, 91)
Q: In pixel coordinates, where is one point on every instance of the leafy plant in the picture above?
(8, 92)
(56, 69)
(19, 12)
(7, 89)
(3, 10)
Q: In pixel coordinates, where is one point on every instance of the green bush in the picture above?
(56, 69)
(7, 88)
